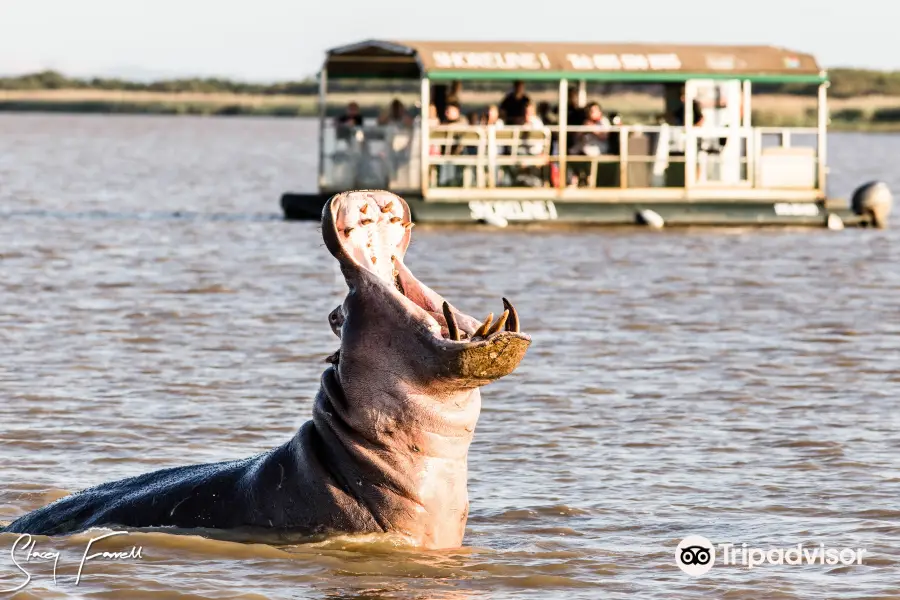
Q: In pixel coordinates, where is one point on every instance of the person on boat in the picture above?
(575, 117)
(453, 96)
(396, 115)
(680, 115)
(453, 117)
(433, 121)
(351, 117)
(491, 117)
(593, 142)
(680, 119)
(345, 123)
(534, 143)
(512, 108)
(596, 141)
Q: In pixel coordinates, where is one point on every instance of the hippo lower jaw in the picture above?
(386, 450)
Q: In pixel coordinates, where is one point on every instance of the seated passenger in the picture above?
(491, 117)
(549, 119)
(347, 121)
(512, 108)
(596, 141)
(352, 117)
(433, 119)
(546, 114)
(396, 115)
(534, 144)
(453, 96)
(574, 110)
(453, 117)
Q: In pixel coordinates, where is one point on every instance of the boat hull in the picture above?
(721, 213)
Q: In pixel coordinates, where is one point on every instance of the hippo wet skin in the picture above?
(387, 446)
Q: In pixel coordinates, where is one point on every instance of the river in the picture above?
(155, 311)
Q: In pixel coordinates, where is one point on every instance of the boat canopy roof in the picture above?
(442, 60)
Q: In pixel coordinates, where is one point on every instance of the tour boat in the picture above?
(722, 170)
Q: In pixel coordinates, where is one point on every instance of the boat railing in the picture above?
(625, 156)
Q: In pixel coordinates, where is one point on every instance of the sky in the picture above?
(277, 40)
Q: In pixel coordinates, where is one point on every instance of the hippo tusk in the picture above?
(499, 324)
(482, 330)
(512, 324)
(452, 328)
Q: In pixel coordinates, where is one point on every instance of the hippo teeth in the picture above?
(512, 323)
(508, 321)
(452, 327)
(483, 329)
(499, 324)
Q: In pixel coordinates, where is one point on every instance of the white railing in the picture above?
(629, 157)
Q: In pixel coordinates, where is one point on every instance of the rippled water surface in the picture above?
(740, 385)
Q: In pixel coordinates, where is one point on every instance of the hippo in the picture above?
(387, 447)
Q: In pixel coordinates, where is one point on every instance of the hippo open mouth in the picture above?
(369, 233)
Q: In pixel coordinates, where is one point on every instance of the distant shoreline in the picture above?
(864, 113)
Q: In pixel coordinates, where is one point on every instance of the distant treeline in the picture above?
(845, 83)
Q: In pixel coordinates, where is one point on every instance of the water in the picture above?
(155, 311)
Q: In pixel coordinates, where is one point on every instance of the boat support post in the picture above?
(425, 132)
(561, 144)
(822, 125)
(323, 109)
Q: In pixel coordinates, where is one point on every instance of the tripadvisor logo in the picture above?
(696, 555)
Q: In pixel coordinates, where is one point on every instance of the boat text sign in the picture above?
(540, 61)
(624, 62)
(513, 210)
(528, 61)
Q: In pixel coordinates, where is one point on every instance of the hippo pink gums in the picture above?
(387, 446)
